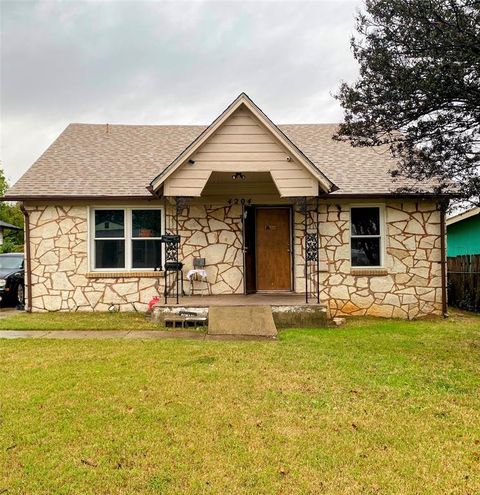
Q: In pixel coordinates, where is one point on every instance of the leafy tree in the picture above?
(10, 245)
(420, 75)
(10, 213)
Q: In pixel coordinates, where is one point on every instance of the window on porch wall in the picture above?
(366, 236)
(126, 238)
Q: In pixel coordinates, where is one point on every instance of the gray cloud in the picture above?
(164, 62)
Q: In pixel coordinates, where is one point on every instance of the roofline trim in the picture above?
(9, 226)
(463, 215)
(244, 99)
(71, 196)
(150, 197)
(399, 195)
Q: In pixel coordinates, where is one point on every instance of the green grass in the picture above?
(376, 407)
(77, 321)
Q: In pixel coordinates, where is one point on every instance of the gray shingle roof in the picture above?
(5, 225)
(86, 160)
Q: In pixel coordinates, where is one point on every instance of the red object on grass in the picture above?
(152, 303)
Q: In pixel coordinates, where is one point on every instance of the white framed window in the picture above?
(367, 236)
(125, 238)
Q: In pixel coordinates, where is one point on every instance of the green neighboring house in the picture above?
(463, 233)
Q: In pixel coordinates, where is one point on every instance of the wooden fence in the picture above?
(464, 282)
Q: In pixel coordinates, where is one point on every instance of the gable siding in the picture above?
(242, 144)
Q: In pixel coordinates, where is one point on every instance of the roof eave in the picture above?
(393, 194)
(64, 197)
(464, 215)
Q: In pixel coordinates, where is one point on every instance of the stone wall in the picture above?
(214, 233)
(61, 280)
(408, 286)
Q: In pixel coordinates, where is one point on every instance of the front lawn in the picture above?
(376, 407)
(77, 321)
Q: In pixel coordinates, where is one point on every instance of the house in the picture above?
(6, 226)
(463, 233)
(269, 207)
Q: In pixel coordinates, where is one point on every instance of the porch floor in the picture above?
(258, 299)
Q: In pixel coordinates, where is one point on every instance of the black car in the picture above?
(12, 279)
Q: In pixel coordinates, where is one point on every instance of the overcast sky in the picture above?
(164, 63)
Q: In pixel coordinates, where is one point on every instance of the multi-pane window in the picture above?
(146, 233)
(109, 239)
(126, 238)
(366, 236)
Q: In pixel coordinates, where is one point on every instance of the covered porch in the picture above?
(245, 199)
(265, 249)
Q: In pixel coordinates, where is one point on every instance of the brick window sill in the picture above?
(132, 274)
(368, 272)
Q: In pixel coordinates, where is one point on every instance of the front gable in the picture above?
(242, 139)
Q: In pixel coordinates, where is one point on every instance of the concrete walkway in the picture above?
(119, 334)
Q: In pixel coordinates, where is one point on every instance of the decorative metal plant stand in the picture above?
(172, 266)
(310, 211)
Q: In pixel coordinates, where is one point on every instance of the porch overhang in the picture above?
(195, 178)
(274, 184)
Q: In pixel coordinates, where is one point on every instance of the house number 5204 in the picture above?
(239, 201)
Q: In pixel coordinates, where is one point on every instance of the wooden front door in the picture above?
(273, 249)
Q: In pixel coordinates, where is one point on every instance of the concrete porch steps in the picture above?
(242, 320)
(287, 311)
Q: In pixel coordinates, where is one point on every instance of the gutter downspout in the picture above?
(443, 257)
(28, 272)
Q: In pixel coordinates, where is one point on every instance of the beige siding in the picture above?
(242, 144)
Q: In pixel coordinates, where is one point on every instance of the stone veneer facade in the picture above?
(62, 281)
(60, 275)
(214, 233)
(408, 286)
